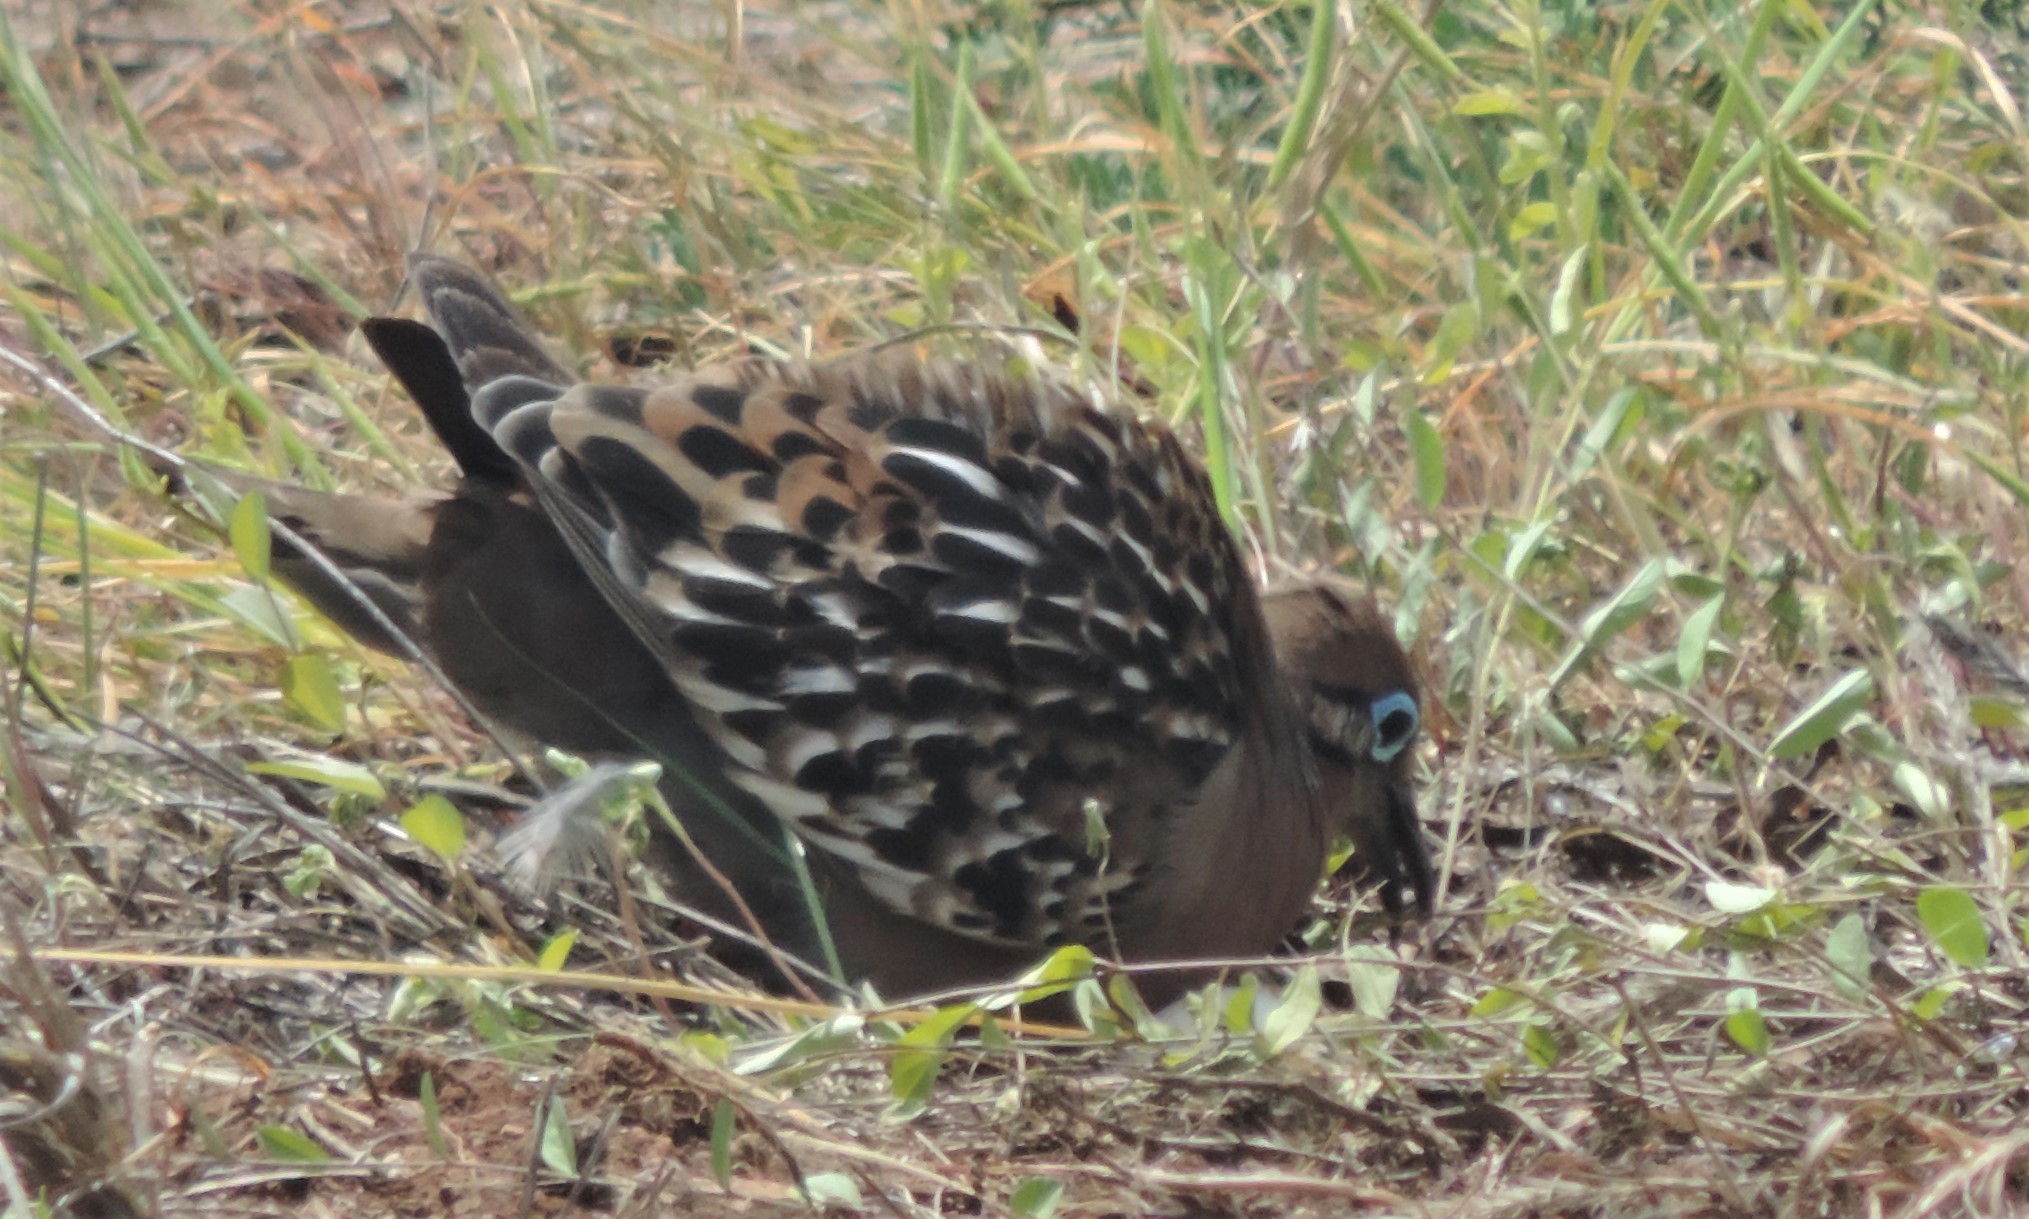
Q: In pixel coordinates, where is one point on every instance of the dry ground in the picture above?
(1661, 365)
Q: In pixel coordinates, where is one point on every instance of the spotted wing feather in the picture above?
(934, 616)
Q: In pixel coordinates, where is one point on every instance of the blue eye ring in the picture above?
(1395, 721)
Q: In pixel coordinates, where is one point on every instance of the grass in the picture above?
(1662, 365)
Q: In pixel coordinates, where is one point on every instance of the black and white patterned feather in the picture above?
(941, 618)
(983, 646)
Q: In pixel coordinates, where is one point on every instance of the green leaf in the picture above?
(559, 1147)
(1952, 919)
(922, 102)
(1626, 607)
(260, 611)
(1238, 1013)
(1664, 937)
(912, 1073)
(313, 865)
(1539, 1042)
(1851, 956)
(1528, 153)
(330, 772)
(1374, 976)
(1289, 1020)
(557, 951)
(1930, 797)
(822, 1040)
(282, 1143)
(1310, 95)
(1658, 736)
(1499, 999)
(1054, 974)
(724, 1125)
(1098, 835)
(1426, 447)
(1093, 1003)
(433, 1116)
(311, 690)
(1930, 1004)
(1489, 102)
(1147, 345)
(1996, 712)
(1729, 898)
(825, 1190)
(1622, 610)
(437, 824)
(1748, 1031)
(1522, 547)
(707, 1046)
(780, 137)
(248, 531)
(1455, 330)
(1533, 218)
(1696, 641)
(958, 141)
(1036, 1198)
(1569, 277)
(1825, 717)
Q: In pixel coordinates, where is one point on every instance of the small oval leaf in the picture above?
(1952, 919)
(1664, 937)
(1748, 1031)
(311, 690)
(1375, 975)
(1626, 607)
(1499, 999)
(282, 1143)
(557, 951)
(919, 1058)
(1486, 102)
(1455, 331)
(1629, 605)
(437, 824)
(1036, 1198)
(1931, 797)
(825, 1190)
(248, 531)
(1053, 975)
(1852, 957)
(1825, 717)
(1696, 641)
(1290, 1019)
(1996, 711)
(1729, 898)
(1539, 1042)
(260, 611)
(1532, 218)
(1565, 295)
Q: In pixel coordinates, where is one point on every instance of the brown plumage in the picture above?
(936, 620)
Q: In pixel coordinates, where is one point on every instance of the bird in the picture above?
(977, 646)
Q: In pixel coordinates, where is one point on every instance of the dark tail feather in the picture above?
(486, 336)
(420, 360)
